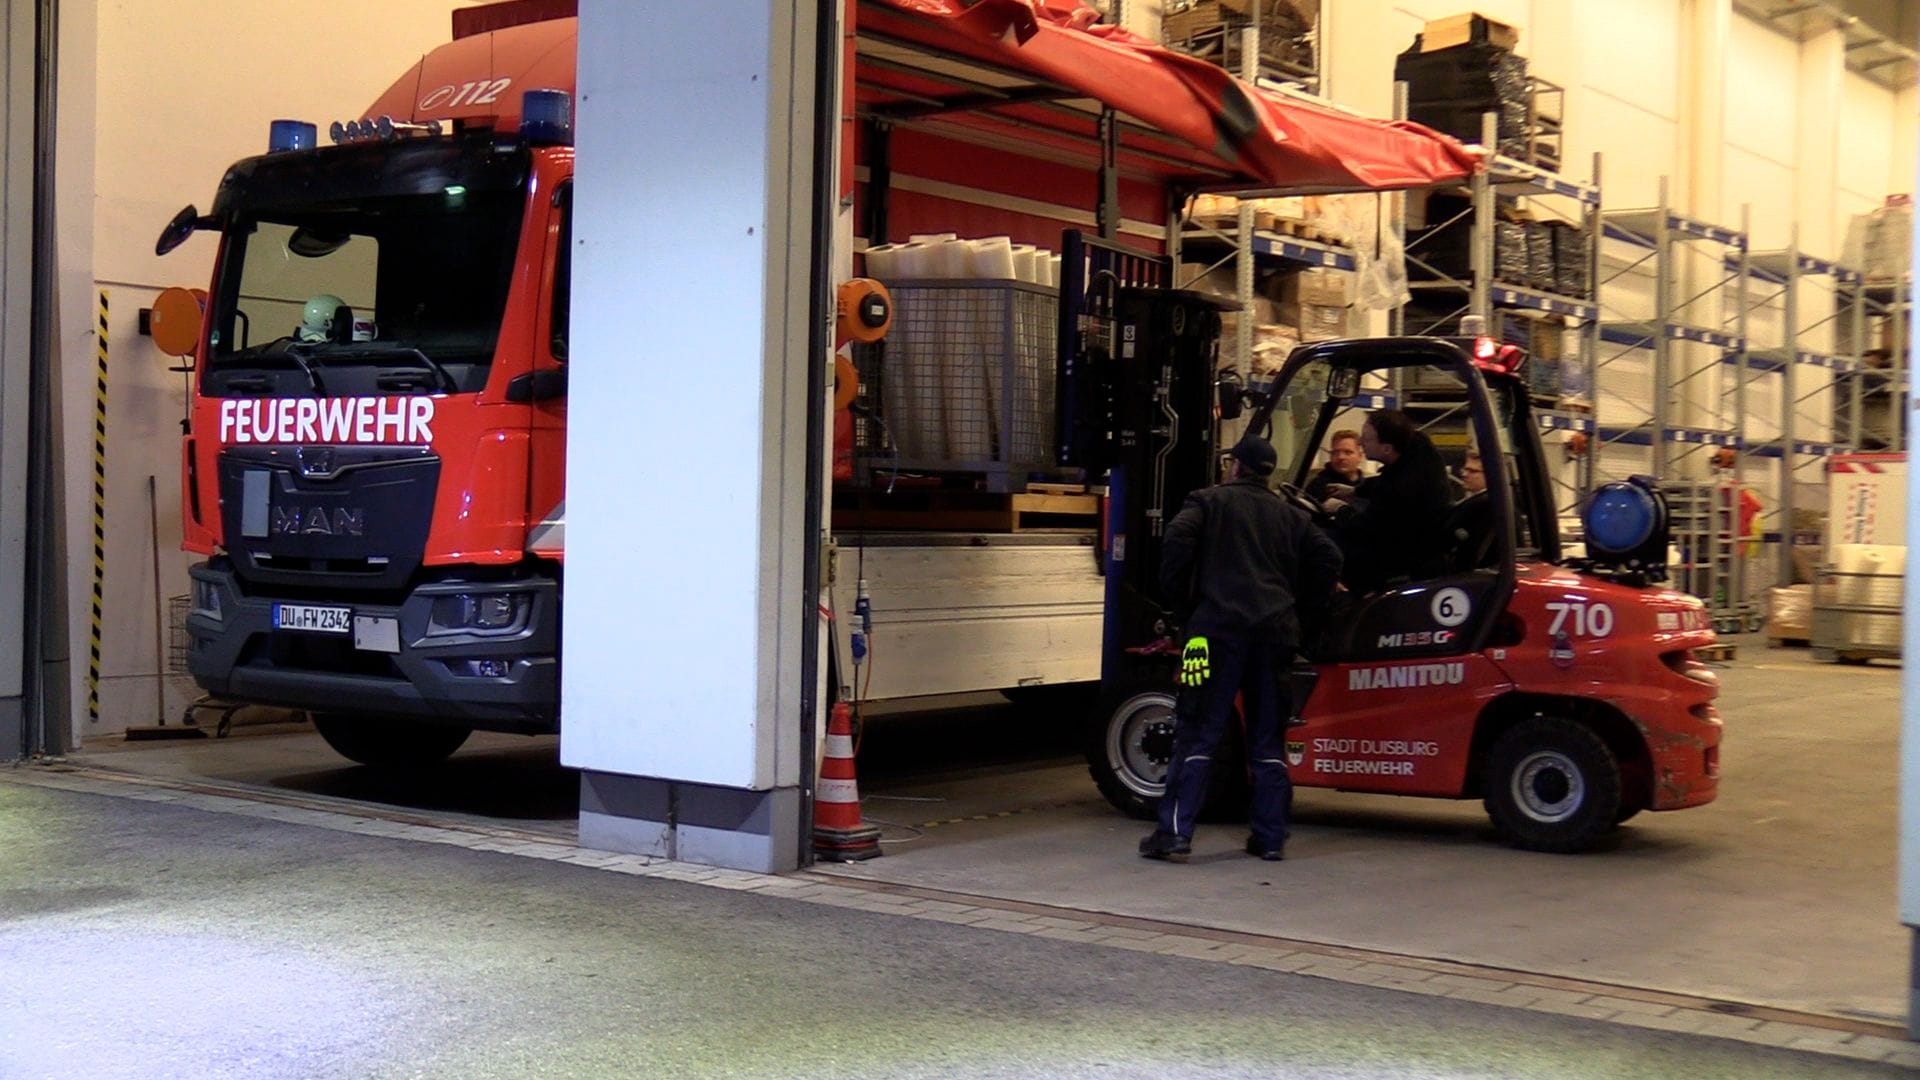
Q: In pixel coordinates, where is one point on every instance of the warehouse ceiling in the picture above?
(1880, 34)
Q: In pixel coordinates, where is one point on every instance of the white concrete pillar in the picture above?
(17, 73)
(681, 692)
(1700, 191)
(1906, 139)
(1816, 143)
(1910, 695)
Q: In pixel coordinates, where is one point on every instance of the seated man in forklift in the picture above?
(1470, 522)
(1344, 465)
(1392, 526)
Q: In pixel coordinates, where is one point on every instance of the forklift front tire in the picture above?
(1130, 742)
(1553, 785)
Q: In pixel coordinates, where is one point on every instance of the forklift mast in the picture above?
(1135, 402)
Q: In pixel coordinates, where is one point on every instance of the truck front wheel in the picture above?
(1553, 785)
(388, 741)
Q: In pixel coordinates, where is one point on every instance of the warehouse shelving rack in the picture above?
(1673, 243)
(1235, 45)
(1246, 246)
(1480, 293)
(1876, 415)
(1805, 373)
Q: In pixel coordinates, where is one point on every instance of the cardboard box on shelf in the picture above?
(1324, 288)
(1467, 28)
(1316, 322)
(1218, 281)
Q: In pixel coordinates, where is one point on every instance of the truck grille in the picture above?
(355, 516)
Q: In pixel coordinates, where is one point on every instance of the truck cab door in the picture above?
(546, 390)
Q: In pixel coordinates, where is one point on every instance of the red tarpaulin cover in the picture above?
(1209, 125)
(1265, 139)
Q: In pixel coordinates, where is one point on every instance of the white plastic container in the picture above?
(991, 258)
(883, 261)
(1026, 263)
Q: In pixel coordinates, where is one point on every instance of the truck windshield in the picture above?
(424, 274)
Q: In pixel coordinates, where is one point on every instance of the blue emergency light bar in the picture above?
(546, 117)
(291, 135)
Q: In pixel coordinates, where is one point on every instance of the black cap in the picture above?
(1256, 454)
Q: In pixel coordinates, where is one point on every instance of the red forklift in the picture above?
(1566, 695)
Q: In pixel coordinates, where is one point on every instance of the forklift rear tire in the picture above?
(1130, 741)
(388, 741)
(1553, 785)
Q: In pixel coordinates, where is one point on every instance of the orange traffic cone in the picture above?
(838, 835)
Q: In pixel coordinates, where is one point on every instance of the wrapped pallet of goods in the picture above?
(1540, 264)
(1857, 590)
(1880, 244)
(1572, 251)
(1789, 614)
(1462, 67)
(1510, 260)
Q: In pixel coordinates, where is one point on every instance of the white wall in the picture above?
(155, 104)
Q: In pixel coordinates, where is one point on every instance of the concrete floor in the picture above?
(142, 939)
(1781, 893)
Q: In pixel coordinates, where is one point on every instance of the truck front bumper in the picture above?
(505, 679)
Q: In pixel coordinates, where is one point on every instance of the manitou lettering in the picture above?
(401, 420)
(1406, 676)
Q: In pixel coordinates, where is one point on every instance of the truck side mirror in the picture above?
(180, 228)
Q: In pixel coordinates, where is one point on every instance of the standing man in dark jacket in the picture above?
(1240, 563)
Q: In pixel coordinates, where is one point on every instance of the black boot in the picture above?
(1272, 853)
(1166, 846)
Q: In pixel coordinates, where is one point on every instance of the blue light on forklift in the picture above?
(1620, 518)
(546, 117)
(291, 135)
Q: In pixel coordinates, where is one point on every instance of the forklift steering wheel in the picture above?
(1299, 498)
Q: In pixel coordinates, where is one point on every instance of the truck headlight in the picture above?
(206, 599)
(485, 612)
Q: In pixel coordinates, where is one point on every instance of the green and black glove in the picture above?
(1195, 665)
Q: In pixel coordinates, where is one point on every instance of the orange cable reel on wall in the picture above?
(176, 319)
(863, 313)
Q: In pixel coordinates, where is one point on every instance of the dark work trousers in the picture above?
(1258, 672)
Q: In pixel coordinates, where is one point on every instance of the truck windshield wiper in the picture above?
(375, 351)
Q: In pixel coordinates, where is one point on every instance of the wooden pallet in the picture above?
(1720, 651)
(967, 511)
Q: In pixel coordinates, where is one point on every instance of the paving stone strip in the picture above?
(1558, 995)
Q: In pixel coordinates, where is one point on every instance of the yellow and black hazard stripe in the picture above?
(99, 515)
